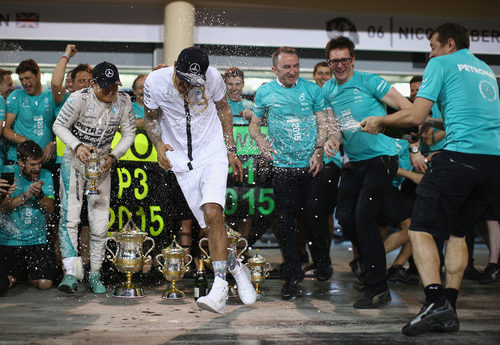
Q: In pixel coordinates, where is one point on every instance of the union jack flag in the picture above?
(27, 20)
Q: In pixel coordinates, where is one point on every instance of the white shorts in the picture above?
(206, 184)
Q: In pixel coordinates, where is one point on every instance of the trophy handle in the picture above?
(186, 266)
(111, 258)
(152, 245)
(201, 247)
(159, 262)
(267, 268)
(244, 248)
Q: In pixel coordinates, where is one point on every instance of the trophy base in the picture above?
(173, 295)
(124, 292)
(92, 192)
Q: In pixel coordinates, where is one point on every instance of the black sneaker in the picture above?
(357, 269)
(430, 315)
(373, 299)
(446, 326)
(491, 273)
(398, 274)
(310, 271)
(324, 272)
(471, 273)
(290, 289)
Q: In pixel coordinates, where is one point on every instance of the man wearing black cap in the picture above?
(190, 123)
(87, 123)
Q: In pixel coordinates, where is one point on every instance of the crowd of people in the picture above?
(331, 146)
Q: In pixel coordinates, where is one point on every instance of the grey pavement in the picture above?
(323, 315)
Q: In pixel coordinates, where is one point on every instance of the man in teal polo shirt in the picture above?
(240, 107)
(30, 113)
(296, 122)
(367, 177)
(463, 180)
(23, 232)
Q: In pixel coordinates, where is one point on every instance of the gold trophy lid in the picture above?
(257, 259)
(174, 248)
(231, 233)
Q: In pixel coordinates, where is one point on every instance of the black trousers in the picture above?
(363, 187)
(295, 189)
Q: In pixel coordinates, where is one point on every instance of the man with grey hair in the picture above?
(297, 130)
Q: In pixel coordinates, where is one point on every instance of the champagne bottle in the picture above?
(200, 282)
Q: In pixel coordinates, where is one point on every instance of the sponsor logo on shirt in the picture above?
(487, 90)
(472, 69)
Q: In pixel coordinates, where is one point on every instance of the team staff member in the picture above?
(90, 117)
(138, 105)
(297, 131)
(23, 231)
(463, 179)
(240, 107)
(30, 113)
(322, 73)
(188, 119)
(367, 177)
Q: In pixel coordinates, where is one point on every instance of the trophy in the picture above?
(259, 270)
(93, 172)
(129, 257)
(233, 238)
(173, 268)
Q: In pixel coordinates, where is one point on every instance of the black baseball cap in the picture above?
(191, 66)
(106, 74)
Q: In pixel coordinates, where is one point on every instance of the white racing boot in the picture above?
(246, 290)
(215, 301)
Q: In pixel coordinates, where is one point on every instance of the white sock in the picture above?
(68, 265)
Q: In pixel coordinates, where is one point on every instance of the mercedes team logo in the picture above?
(194, 68)
(109, 73)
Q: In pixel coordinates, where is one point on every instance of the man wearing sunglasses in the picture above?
(366, 178)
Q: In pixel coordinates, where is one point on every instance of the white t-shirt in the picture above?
(206, 137)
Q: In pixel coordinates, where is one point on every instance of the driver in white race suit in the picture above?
(89, 121)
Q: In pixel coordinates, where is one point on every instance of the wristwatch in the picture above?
(232, 149)
(414, 149)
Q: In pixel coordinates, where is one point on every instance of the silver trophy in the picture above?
(129, 257)
(93, 172)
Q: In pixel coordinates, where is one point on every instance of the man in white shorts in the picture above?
(188, 120)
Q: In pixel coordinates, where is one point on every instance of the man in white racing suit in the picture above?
(87, 123)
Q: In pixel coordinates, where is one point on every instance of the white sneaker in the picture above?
(215, 301)
(246, 290)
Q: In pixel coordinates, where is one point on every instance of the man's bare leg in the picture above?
(456, 258)
(217, 235)
(493, 240)
(403, 255)
(426, 256)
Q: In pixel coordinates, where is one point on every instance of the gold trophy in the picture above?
(233, 238)
(173, 268)
(129, 257)
(259, 270)
(93, 172)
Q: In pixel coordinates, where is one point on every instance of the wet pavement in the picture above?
(323, 315)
